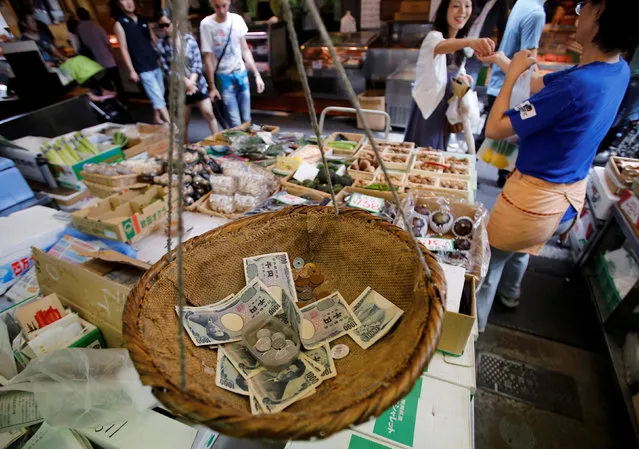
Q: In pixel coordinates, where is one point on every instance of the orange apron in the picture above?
(529, 210)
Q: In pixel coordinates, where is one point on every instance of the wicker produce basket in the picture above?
(354, 251)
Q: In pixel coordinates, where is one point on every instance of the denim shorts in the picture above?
(153, 83)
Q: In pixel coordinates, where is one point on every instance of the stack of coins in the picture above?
(274, 346)
(306, 280)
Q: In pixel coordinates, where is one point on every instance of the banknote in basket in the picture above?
(276, 391)
(325, 320)
(242, 359)
(227, 377)
(321, 358)
(377, 315)
(274, 270)
(224, 322)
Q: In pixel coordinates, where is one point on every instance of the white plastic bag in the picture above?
(431, 75)
(467, 107)
(81, 388)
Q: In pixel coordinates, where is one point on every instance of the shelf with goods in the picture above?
(616, 315)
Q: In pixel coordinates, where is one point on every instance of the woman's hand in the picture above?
(134, 77)
(521, 62)
(483, 46)
(215, 94)
(259, 83)
(494, 58)
(190, 86)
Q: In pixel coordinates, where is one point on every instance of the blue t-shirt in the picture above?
(561, 127)
(523, 31)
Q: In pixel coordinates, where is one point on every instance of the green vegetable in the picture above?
(343, 145)
(120, 139)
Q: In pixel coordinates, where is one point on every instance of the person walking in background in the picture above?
(427, 123)
(137, 46)
(225, 55)
(195, 86)
(523, 32)
(95, 42)
(560, 128)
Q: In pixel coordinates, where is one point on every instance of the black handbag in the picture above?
(219, 110)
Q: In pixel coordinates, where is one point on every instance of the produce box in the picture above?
(103, 191)
(69, 175)
(252, 128)
(344, 143)
(110, 181)
(629, 205)
(455, 189)
(457, 370)
(146, 140)
(96, 289)
(126, 217)
(599, 193)
(621, 172)
(320, 183)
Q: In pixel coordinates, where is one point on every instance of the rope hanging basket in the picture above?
(354, 250)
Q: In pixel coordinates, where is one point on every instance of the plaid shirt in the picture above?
(193, 59)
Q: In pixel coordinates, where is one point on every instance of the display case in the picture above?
(268, 45)
(320, 67)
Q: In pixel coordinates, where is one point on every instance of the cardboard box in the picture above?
(582, 231)
(96, 289)
(457, 370)
(146, 141)
(629, 205)
(433, 415)
(127, 216)
(616, 181)
(599, 193)
(415, 7)
(458, 326)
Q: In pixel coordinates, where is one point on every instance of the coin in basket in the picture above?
(339, 351)
(263, 333)
(316, 279)
(298, 263)
(302, 282)
(263, 344)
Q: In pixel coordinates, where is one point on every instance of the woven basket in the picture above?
(354, 251)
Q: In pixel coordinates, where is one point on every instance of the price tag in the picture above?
(368, 203)
(317, 65)
(289, 199)
(306, 171)
(437, 244)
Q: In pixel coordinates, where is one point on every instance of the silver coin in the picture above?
(298, 263)
(279, 343)
(263, 344)
(339, 351)
(269, 356)
(290, 344)
(282, 355)
(263, 333)
(277, 336)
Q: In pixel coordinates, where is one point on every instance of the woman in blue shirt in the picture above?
(560, 128)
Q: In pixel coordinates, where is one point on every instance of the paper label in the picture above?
(306, 171)
(317, 65)
(368, 203)
(398, 422)
(630, 205)
(437, 244)
(289, 199)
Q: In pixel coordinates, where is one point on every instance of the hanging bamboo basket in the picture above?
(354, 251)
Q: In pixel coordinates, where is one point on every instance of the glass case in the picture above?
(351, 49)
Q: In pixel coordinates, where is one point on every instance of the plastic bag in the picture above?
(465, 108)
(81, 388)
(221, 203)
(503, 153)
(222, 184)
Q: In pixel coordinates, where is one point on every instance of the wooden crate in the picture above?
(110, 181)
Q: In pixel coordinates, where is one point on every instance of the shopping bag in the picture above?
(499, 153)
(503, 153)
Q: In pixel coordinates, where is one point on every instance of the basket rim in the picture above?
(286, 425)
